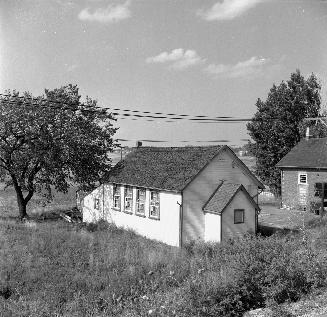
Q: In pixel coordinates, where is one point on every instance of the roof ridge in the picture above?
(179, 147)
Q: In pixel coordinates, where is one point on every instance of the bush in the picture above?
(98, 226)
(254, 272)
(62, 269)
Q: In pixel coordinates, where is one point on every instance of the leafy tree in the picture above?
(278, 123)
(52, 141)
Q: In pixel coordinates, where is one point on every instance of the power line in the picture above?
(144, 115)
(170, 114)
(134, 115)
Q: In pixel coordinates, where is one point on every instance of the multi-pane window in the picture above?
(238, 215)
(116, 197)
(128, 206)
(96, 203)
(140, 201)
(321, 190)
(154, 205)
(302, 178)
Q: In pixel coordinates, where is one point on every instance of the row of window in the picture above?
(320, 188)
(154, 202)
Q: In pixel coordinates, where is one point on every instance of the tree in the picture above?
(278, 123)
(53, 141)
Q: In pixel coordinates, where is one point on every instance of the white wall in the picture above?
(212, 227)
(90, 214)
(166, 229)
(229, 229)
(196, 194)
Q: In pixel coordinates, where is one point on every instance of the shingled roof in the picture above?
(169, 168)
(223, 196)
(311, 153)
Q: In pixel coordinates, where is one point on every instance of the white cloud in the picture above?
(250, 68)
(228, 9)
(113, 13)
(178, 59)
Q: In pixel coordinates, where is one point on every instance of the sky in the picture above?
(195, 57)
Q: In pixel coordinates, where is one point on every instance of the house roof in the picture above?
(169, 168)
(311, 153)
(223, 195)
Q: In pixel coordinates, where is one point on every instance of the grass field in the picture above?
(60, 269)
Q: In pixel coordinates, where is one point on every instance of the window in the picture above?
(96, 203)
(238, 215)
(321, 189)
(116, 197)
(128, 199)
(154, 205)
(302, 178)
(140, 201)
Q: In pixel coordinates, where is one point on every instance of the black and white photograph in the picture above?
(163, 158)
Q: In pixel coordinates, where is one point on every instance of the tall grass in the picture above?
(62, 270)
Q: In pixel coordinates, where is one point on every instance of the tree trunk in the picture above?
(21, 203)
(22, 208)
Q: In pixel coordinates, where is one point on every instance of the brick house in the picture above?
(178, 194)
(304, 175)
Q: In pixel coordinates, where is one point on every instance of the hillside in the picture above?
(59, 269)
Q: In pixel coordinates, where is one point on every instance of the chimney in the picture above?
(307, 134)
(138, 143)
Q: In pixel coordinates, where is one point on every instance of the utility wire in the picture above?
(144, 115)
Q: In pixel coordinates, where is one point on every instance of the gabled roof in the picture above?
(223, 196)
(169, 168)
(311, 153)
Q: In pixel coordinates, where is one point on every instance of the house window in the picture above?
(140, 201)
(116, 197)
(238, 215)
(154, 205)
(303, 179)
(321, 190)
(96, 203)
(128, 199)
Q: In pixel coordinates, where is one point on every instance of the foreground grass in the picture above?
(56, 269)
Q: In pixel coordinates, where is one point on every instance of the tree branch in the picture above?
(29, 196)
(30, 179)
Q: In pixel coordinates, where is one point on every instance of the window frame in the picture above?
(126, 189)
(154, 203)
(137, 209)
(116, 188)
(97, 203)
(322, 192)
(300, 174)
(243, 215)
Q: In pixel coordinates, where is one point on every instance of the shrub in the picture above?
(253, 272)
(66, 270)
